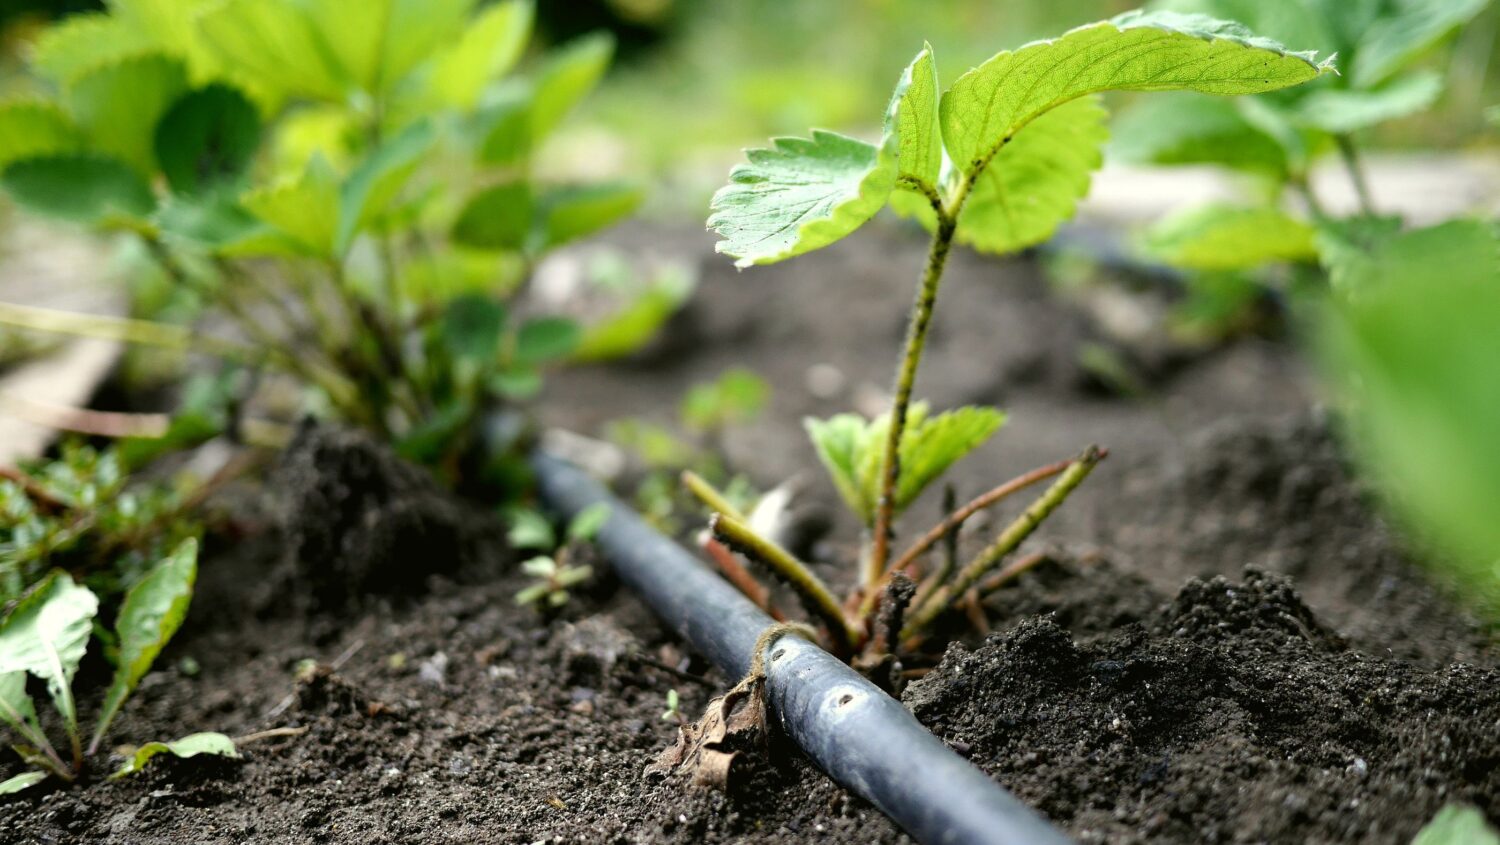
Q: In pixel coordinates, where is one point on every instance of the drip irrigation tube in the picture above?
(856, 733)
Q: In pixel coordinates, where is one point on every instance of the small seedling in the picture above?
(45, 636)
(554, 576)
(673, 713)
(997, 162)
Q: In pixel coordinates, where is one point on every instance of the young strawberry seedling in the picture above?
(997, 162)
(553, 572)
(45, 636)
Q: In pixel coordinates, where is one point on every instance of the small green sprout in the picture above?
(1028, 123)
(673, 713)
(554, 575)
(1457, 824)
(46, 635)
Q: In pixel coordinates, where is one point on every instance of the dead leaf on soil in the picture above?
(706, 750)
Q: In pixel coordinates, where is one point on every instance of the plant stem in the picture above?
(1013, 535)
(809, 587)
(710, 497)
(916, 340)
(1350, 154)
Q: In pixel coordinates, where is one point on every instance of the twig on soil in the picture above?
(270, 733)
(671, 670)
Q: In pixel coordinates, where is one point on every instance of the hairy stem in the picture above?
(1013, 535)
(709, 496)
(1352, 164)
(809, 587)
(916, 340)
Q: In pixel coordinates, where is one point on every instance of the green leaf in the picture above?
(524, 112)
(152, 612)
(500, 217)
(1409, 345)
(191, 745)
(79, 187)
(567, 77)
(530, 530)
(22, 781)
(1036, 181)
(68, 49)
(545, 339)
(377, 42)
(516, 382)
(587, 523)
(274, 42)
(1457, 824)
(31, 128)
(1410, 28)
(1223, 237)
(472, 327)
(432, 437)
(206, 138)
(736, 396)
(930, 445)
(633, 326)
(571, 213)
(1341, 110)
(1150, 51)
(305, 207)
(214, 219)
(489, 47)
(46, 634)
(913, 118)
(841, 442)
(16, 707)
(119, 104)
(1187, 128)
(372, 186)
(801, 195)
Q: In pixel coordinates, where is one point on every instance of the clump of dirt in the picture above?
(1231, 715)
(359, 522)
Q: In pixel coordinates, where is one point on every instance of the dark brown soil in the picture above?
(1125, 705)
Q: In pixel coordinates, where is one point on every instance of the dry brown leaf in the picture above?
(706, 749)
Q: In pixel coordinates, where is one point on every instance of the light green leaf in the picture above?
(1409, 345)
(574, 212)
(214, 220)
(1457, 824)
(1036, 181)
(566, 78)
(274, 42)
(1153, 51)
(545, 339)
(801, 195)
(304, 208)
(207, 137)
(372, 186)
(489, 47)
(738, 395)
(46, 634)
(16, 707)
(1223, 237)
(30, 128)
(80, 43)
(500, 217)
(79, 187)
(118, 104)
(1397, 37)
(529, 529)
(841, 442)
(930, 445)
(914, 113)
(586, 525)
(191, 745)
(376, 42)
(472, 326)
(633, 326)
(1187, 128)
(152, 612)
(22, 781)
(1341, 110)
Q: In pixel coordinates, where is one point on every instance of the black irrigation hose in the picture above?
(859, 735)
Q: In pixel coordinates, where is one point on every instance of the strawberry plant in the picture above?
(1275, 140)
(350, 186)
(996, 162)
(46, 635)
(553, 572)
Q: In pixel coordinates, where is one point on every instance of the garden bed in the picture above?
(1122, 694)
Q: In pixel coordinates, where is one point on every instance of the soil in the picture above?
(1145, 687)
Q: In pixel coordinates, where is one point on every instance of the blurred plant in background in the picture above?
(351, 185)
